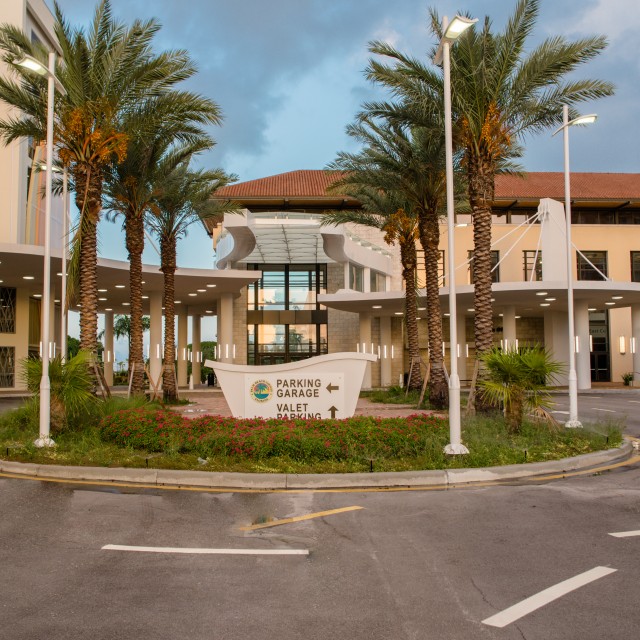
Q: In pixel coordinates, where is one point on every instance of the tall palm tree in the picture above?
(107, 71)
(184, 200)
(502, 90)
(133, 184)
(409, 161)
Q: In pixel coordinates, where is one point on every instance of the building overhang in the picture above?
(208, 285)
(526, 297)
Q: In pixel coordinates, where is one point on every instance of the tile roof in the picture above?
(587, 186)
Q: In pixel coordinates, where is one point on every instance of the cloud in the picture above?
(612, 17)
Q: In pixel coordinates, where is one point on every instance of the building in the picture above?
(326, 289)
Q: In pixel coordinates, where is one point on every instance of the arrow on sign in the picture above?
(331, 388)
(332, 411)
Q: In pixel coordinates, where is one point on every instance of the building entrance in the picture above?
(600, 355)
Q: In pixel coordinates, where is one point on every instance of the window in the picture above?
(420, 268)
(528, 258)
(356, 277)
(635, 266)
(495, 269)
(377, 281)
(590, 263)
(7, 367)
(7, 310)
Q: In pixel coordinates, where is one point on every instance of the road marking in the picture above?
(200, 551)
(558, 411)
(635, 401)
(309, 516)
(625, 534)
(542, 598)
(607, 410)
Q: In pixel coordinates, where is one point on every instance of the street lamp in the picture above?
(573, 421)
(451, 30)
(30, 63)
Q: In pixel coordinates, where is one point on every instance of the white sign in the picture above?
(292, 396)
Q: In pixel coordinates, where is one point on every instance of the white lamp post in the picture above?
(44, 439)
(573, 421)
(451, 30)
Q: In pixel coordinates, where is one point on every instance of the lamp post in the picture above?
(27, 62)
(451, 30)
(573, 421)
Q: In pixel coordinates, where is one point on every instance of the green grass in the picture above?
(487, 439)
(394, 395)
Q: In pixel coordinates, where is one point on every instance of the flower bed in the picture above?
(302, 440)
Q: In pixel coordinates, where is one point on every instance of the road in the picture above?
(405, 565)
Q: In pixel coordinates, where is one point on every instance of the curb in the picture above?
(282, 481)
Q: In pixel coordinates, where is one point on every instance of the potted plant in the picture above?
(627, 378)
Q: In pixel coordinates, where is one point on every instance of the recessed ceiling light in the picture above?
(208, 311)
(193, 295)
(37, 295)
(422, 308)
(1, 281)
(59, 273)
(56, 300)
(202, 290)
(108, 309)
(592, 309)
(211, 286)
(550, 299)
(176, 302)
(27, 277)
(609, 303)
(518, 317)
(126, 304)
(616, 297)
(119, 286)
(493, 299)
(500, 315)
(102, 299)
(102, 291)
(471, 310)
(145, 297)
(545, 304)
(143, 282)
(398, 313)
(377, 306)
(446, 315)
(418, 318)
(542, 293)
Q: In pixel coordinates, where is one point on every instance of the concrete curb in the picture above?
(282, 481)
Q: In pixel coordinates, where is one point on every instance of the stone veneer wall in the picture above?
(343, 327)
(240, 322)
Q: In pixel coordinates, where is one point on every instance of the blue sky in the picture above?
(288, 75)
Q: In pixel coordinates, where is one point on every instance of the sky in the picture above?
(288, 76)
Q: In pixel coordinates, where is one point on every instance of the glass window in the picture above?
(495, 269)
(7, 310)
(7, 367)
(378, 281)
(590, 263)
(356, 277)
(635, 266)
(528, 259)
(420, 269)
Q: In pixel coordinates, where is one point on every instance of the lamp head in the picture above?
(588, 119)
(458, 26)
(30, 63)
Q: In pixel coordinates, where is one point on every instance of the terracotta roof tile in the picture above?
(587, 186)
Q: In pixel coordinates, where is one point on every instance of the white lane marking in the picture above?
(625, 534)
(542, 598)
(558, 411)
(240, 552)
(635, 401)
(607, 410)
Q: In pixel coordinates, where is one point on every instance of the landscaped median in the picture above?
(154, 445)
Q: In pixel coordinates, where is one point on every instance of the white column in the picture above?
(109, 353)
(182, 346)
(583, 358)
(555, 341)
(385, 351)
(196, 365)
(366, 346)
(366, 276)
(461, 320)
(225, 328)
(509, 328)
(346, 275)
(635, 333)
(155, 336)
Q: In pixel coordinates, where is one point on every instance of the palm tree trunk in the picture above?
(168, 268)
(430, 240)
(409, 264)
(135, 246)
(88, 200)
(481, 175)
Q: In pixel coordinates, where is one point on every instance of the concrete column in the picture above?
(385, 351)
(583, 358)
(366, 276)
(155, 336)
(556, 341)
(461, 328)
(509, 328)
(635, 333)
(109, 353)
(366, 346)
(225, 328)
(182, 346)
(346, 276)
(196, 365)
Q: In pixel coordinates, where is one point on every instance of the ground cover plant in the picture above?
(143, 435)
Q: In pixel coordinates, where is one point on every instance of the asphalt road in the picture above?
(407, 565)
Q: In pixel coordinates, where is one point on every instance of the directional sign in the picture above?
(294, 395)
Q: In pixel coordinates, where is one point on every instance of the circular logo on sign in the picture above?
(261, 391)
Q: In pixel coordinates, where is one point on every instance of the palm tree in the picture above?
(107, 71)
(184, 200)
(502, 90)
(409, 161)
(132, 185)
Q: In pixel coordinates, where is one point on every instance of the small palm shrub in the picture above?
(72, 383)
(517, 380)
